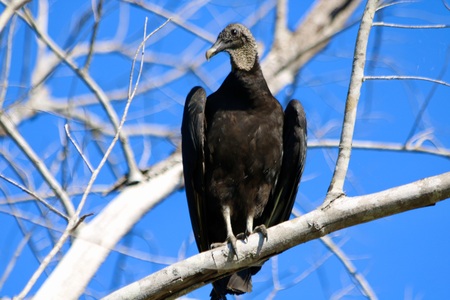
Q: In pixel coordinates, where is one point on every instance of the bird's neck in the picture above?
(251, 79)
(244, 58)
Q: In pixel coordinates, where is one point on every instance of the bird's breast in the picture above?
(245, 143)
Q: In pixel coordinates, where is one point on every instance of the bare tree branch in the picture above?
(7, 63)
(397, 77)
(10, 9)
(437, 26)
(97, 11)
(177, 19)
(324, 20)
(88, 164)
(134, 173)
(182, 277)
(93, 241)
(104, 229)
(46, 204)
(15, 135)
(45, 263)
(76, 220)
(362, 283)
(336, 188)
(96, 239)
(384, 146)
(13, 260)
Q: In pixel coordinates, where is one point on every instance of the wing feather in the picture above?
(192, 148)
(294, 155)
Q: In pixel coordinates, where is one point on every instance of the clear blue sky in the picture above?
(403, 256)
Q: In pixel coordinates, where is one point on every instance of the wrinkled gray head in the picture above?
(239, 42)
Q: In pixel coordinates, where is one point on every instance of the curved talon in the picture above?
(263, 230)
(230, 239)
(243, 236)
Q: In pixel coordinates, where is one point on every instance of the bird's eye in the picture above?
(234, 31)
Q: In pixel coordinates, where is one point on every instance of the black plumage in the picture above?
(242, 156)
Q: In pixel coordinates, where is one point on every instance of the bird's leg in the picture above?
(230, 235)
(248, 229)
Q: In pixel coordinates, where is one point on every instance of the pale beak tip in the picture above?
(210, 53)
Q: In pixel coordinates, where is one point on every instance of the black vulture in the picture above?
(242, 156)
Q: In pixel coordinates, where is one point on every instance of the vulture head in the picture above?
(239, 42)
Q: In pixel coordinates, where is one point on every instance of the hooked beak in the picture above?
(218, 46)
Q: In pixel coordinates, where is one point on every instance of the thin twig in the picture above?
(15, 135)
(134, 172)
(31, 193)
(7, 62)
(398, 77)
(383, 146)
(20, 172)
(275, 280)
(72, 191)
(336, 187)
(447, 6)
(362, 283)
(302, 276)
(13, 259)
(437, 26)
(154, 83)
(45, 263)
(66, 128)
(388, 4)
(25, 229)
(340, 294)
(360, 280)
(142, 45)
(144, 256)
(131, 94)
(430, 95)
(97, 12)
(75, 221)
(265, 8)
(198, 31)
(111, 146)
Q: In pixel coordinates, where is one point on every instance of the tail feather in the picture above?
(240, 282)
(236, 284)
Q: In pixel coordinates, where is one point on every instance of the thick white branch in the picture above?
(97, 238)
(9, 11)
(198, 270)
(291, 51)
